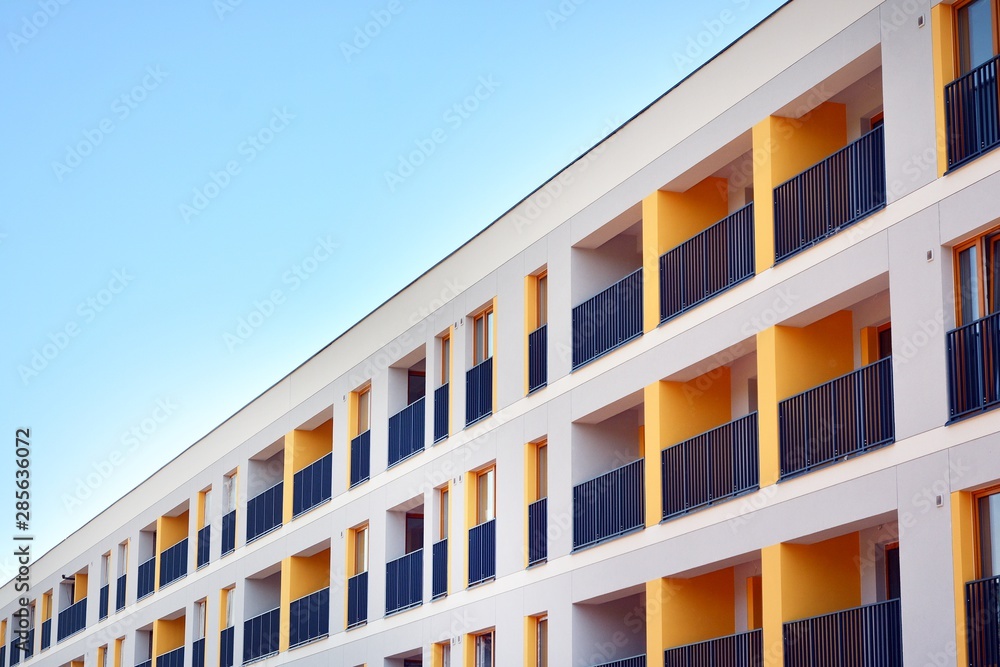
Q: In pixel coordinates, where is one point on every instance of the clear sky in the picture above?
(170, 167)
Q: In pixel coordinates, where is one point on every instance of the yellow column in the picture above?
(530, 638)
(945, 71)
(285, 603)
(530, 318)
(469, 651)
(963, 545)
(658, 594)
(699, 608)
(80, 587)
(530, 487)
(167, 636)
(654, 411)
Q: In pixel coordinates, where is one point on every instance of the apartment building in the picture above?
(719, 393)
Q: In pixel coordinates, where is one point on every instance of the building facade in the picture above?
(718, 393)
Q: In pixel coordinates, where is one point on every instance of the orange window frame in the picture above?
(984, 244)
(482, 338)
(444, 513)
(445, 359)
(480, 507)
(994, 7)
(364, 407)
(542, 299)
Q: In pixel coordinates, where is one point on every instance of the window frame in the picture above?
(542, 299)
(491, 633)
(364, 398)
(542, 470)
(444, 512)
(361, 551)
(978, 496)
(445, 377)
(483, 345)
(489, 473)
(957, 36)
(985, 279)
(542, 659)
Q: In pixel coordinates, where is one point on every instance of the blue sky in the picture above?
(201, 195)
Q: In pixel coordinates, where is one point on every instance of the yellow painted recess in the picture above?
(437, 655)
(80, 587)
(200, 517)
(945, 71)
(530, 318)
(102, 655)
(655, 406)
(697, 405)
(303, 448)
(869, 345)
(352, 428)
(119, 650)
(223, 604)
(46, 606)
(169, 531)
(755, 607)
(530, 639)
(783, 148)
(658, 594)
(76, 663)
(963, 546)
(471, 487)
(530, 488)
(300, 576)
(496, 368)
(167, 635)
(700, 608)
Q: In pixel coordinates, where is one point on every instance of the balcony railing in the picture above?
(831, 195)
(868, 636)
(404, 582)
(406, 431)
(707, 264)
(16, 654)
(361, 455)
(716, 465)
(173, 658)
(174, 563)
(439, 569)
(309, 618)
(538, 358)
(479, 392)
(973, 367)
(145, 663)
(441, 413)
(483, 552)
(608, 320)
(609, 505)
(46, 638)
(264, 512)
(198, 653)
(103, 599)
(72, 619)
(227, 647)
(982, 622)
(972, 112)
(147, 578)
(745, 649)
(204, 546)
(120, 592)
(3, 655)
(260, 635)
(538, 531)
(634, 661)
(313, 485)
(229, 532)
(357, 600)
(850, 415)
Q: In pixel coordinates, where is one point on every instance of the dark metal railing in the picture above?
(198, 653)
(227, 647)
(441, 413)
(609, 505)
(849, 415)
(439, 569)
(831, 195)
(608, 320)
(3, 655)
(15, 653)
(982, 622)
(145, 663)
(707, 264)
(744, 649)
(309, 618)
(538, 531)
(479, 391)
(404, 582)
(406, 431)
(120, 592)
(204, 546)
(973, 367)
(173, 658)
(538, 358)
(361, 458)
(357, 600)
(46, 639)
(25, 650)
(264, 512)
(72, 619)
(229, 532)
(483, 552)
(634, 661)
(147, 578)
(972, 113)
(716, 465)
(261, 635)
(312, 485)
(867, 636)
(174, 563)
(103, 599)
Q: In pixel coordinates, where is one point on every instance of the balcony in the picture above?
(538, 371)
(198, 653)
(972, 114)
(982, 619)
(483, 552)
(441, 413)
(716, 465)
(404, 582)
(479, 392)
(16, 652)
(361, 458)
(439, 569)
(173, 658)
(147, 579)
(227, 647)
(538, 528)
(72, 619)
(309, 618)
(707, 264)
(102, 604)
(229, 533)
(120, 592)
(744, 649)
(973, 367)
(313, 485)
(831, 195)
(608, 320)
(174, 563)
(608, 506)
(406, 432)
(3, 654)
(145, 663)
(204, 546)
(357, 600)
(634, 661)
(46, 633)
(847, 416)
(868, 636)
(264, 512)
(260, 635)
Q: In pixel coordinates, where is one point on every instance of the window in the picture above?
(200, 611)
(414, 532)
(483, 336)
(361, 549)
(206, 508)
(105, 568)
(542, 299)
(230, 597)
(102, 656)
(977, 268)
(443, 526)
(885, 341)
(445, 649)
(891, 559)
(484, 649)
(416, 383)
(988, 529)
(445, 359)
(229, 491)
(542, 642)
(976, 34)
(542, 470)
(364, 409)
(486, 495)
(119, 652)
